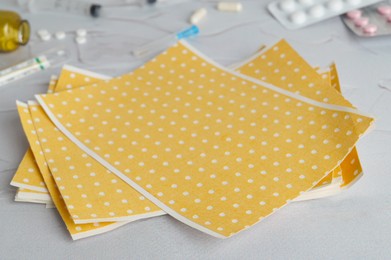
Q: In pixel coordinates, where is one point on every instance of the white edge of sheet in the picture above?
(329, 190)
(29, 187)
(85, 72)
(120, 219)
(37, 196)
(17, 199)
(239, 64)
(98, 231)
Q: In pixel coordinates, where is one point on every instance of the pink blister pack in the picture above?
(373, 20)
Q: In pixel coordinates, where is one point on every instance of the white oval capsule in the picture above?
(229, 7)
(198, 16)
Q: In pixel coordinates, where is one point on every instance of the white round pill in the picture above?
(298, 17)
(335, 5)
(81, 32)
(317, 11)
(60, 35)
(287, 5)
(81, 40)
(306, 2)
(354, 2)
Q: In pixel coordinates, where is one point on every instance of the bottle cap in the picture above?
(193, 30)
(95, 10)
(24, 32)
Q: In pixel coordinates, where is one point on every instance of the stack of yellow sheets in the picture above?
(218, 149)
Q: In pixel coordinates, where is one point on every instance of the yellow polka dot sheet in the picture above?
(68, 79)
(89, 203)
(27, 176)
(267, 65)
(72, 75)
(350, 168)
(216, 149)
(84, 195)
(77, 231)
(91, 192)
(28, 166)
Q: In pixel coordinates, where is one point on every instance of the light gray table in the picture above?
(353, 225)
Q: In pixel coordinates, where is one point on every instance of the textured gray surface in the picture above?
(353, 225)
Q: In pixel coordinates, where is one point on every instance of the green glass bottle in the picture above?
(14, 31)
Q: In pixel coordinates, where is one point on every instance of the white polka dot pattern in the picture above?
(282, 66)
(300, 78)
(90, 191)
(76, 231)
(27, 175)
(215, 150)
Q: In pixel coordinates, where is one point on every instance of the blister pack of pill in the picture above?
(374, 20)
(295, 14)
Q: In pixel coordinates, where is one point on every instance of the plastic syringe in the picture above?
(79, 7)
(65, 6)
(26, 68)
(165, 41)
